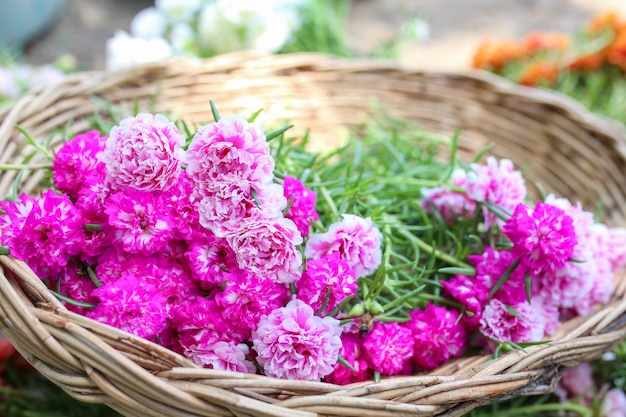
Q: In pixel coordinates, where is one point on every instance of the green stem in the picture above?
(433, 251)
(328, 199)
(4, 250)
(533, 409)
(19, 167)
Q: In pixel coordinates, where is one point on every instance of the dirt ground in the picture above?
(455, 26)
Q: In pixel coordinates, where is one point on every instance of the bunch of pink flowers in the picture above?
(205, 250)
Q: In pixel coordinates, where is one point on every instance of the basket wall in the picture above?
(568, 150)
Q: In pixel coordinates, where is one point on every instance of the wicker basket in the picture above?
(570, 151)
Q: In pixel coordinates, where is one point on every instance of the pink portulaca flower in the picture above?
(582, 220)
(302, 209)
(246, 298)
(223, 356)
(224, 211)
(76, 161)
(438, 336)
(293, 343)
(15, 215)
(268, 249)
(496, 183)
(227, 152)
(389, 348)
(614, 404)
(199, 322)
(543, 239)
(78, 287)
(329, 279)
(138, 221)
(525, 324)
(352, 351)
(182, 208)
(356, 240)
(610, 243)
(50, 234)
(576, 382)
(211, 259)
(451, 204)
(144, 152)
(132, 305)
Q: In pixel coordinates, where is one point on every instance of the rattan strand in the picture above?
(562, 146)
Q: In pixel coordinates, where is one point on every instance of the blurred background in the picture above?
(453, 28)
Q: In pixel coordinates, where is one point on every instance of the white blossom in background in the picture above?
(180, 10)
(123, 50)
(149, 23)
(9, 86)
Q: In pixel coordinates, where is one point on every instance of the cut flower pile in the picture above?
(244, 252)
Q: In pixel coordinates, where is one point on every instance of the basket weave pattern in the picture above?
(562, 146)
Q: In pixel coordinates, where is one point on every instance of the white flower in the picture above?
(124, 50)
(148, 23)
(229, 26)
(182, 38)
(9, 87)
(179, 10)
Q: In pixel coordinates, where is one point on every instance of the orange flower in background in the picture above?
(608, 20)
(539, 72)
(589, 62)
(545, 41)
(616, 51)
(494, 54)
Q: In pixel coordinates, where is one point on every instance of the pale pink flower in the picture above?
(329, 279)
(610, 243)
(246, 298)
(582, 220)
(437, 334)
(76, 161)
(223, 356)
(526, 324)
(227, 152)
(451, 204)
(302, 209)
(224, 211)
(614, 404)
(496, 183)
(389, 347)
(355, 239)
(144, 152)
(293, 343)
(268, 249)
(352, 352)
(139, 222)
(132, 305)
(184, 211)
(576, 382)
(543, 238)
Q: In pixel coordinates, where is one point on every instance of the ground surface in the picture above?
(456, 26)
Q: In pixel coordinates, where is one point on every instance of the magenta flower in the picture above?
(329, 277)
(525, 324)
(225, 210)
(268, 249)
(144, 152)
(293, 343)
(139, 223)
(211, 259)
(132, 305)
(183, 210)
(388, 348)
(246, 298)
(497, 183)
(437, 334)
(92, 197)
(227, 152)
(76, 161)
(473, 292)
(302, 208)
(352, 352)
(223, 356)
(50, 234)
(451, 204)
(77, 287)
(12, 221)
(543, 239)
(356, 240)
